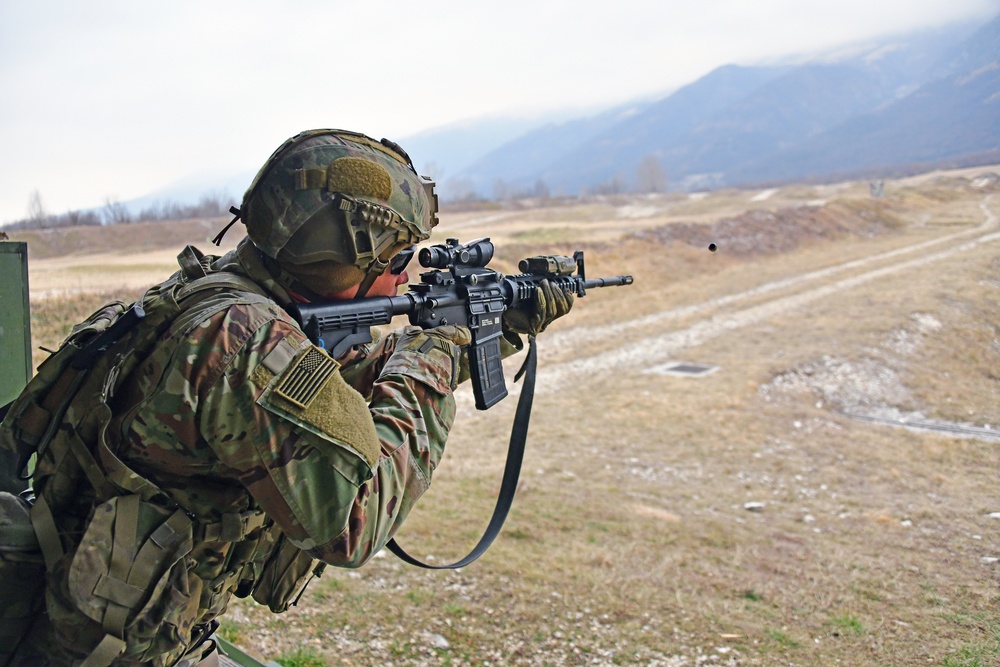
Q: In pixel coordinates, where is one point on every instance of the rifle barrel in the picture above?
(613, 281)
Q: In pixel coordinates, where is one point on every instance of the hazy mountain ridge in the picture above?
(884, 107)
(505, 166)
(924, 98)
(954, 119)
(669, 119)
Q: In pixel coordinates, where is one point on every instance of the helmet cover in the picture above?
(337, 196)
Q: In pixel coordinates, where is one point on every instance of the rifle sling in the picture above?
(512, 469)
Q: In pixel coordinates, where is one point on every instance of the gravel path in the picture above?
(649, 352)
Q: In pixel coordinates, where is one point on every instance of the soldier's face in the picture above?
(388, 284)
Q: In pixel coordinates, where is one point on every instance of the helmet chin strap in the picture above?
(286, 279)
(375, 269)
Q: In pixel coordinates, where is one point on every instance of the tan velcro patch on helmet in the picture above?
(359, 177)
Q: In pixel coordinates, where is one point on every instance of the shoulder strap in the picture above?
(101, 464)
(511, 472)
(198, 275)
(221, 279)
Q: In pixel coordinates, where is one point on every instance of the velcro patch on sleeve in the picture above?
(303, 381)
(311, 393)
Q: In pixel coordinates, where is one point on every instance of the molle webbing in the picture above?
(198, 276)
(127, 553)
(102, 467)
(40, 409)
(233, 527)
(129, 577)
(137, 557)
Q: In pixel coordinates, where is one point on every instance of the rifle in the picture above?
(459, 290)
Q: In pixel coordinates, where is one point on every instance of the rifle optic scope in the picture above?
(441, 256)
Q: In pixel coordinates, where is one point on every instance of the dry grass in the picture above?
(630, 541)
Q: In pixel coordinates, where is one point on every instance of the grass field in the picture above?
(753, 516)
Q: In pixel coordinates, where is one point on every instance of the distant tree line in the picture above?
(650, 177)
(115, 212)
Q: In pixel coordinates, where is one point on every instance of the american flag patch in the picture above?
(306, 378)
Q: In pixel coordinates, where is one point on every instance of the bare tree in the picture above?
(501, 190)
(459, 190)
(115, 212)
(212, 205)
(650, 175)
(541, 189)
(615, 186)
(79, 219)
(36, 209)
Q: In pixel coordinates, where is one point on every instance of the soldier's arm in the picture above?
(360, 367)
(337, 473)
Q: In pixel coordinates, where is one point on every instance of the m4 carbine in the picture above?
(459, 290)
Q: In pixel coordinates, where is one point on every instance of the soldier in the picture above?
(211, 449)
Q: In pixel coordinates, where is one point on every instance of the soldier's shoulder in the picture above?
(230, 328)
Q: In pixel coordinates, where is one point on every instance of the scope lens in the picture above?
(435, 257)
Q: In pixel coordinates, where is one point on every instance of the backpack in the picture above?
(114, 551)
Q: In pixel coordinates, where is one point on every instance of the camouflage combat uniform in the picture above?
(239, 420)
(334, 485)
(208, 449)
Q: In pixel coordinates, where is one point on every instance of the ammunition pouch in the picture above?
(285, 576)
(130, 574)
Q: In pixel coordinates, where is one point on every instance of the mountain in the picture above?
(226, 188)
(890, 106)
(625, 137)
(443, 151)
(505, 167)
(951, 120)
(922, 98)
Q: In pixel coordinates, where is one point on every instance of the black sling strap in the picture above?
(512, 469)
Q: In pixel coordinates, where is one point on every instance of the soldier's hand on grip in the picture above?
(550, 303)
(458, 335)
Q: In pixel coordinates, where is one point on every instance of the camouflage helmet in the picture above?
(338, 196)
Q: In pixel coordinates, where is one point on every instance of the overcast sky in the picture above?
(109, 98)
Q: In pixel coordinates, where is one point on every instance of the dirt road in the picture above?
(731, 314)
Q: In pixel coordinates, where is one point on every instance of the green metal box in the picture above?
(15, 321)
(15, 342)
